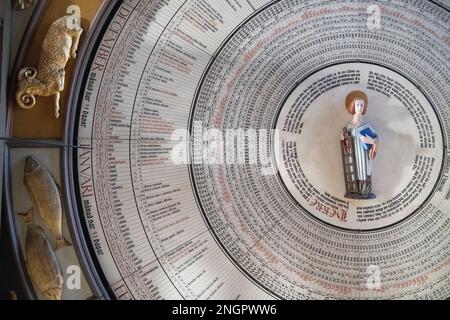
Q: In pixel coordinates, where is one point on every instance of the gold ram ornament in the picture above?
(60, 43)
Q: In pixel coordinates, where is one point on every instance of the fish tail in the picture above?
(27, 216)
(55, 292)
(12, 295)
(62, 243)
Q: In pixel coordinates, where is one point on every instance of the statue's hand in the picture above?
(367, 140)
(373, 151)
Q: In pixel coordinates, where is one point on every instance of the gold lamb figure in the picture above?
(60, 43)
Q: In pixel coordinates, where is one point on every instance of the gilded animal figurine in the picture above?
(46, 198)
(60, 43)
(41, 261)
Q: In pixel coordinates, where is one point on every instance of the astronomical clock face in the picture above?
(244, 149)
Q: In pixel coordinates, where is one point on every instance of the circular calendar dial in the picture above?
(211, 165)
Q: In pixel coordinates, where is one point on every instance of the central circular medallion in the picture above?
(308, 154)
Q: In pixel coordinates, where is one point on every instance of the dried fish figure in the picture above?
(41, 261)
(46, 197)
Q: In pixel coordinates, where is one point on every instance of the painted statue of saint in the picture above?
(359, 145)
